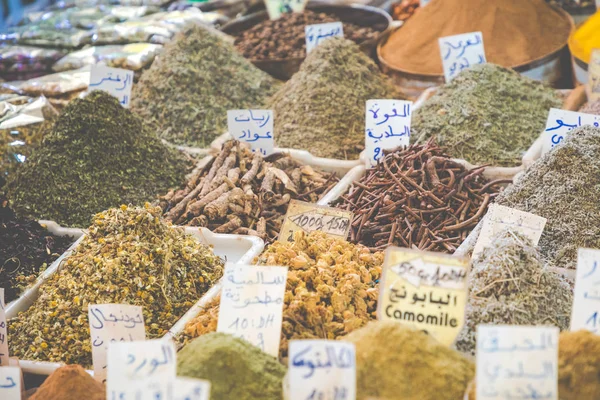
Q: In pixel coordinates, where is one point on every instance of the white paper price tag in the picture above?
(275, 8)
(423, 3)
(112, 323)
(252, 304)
(500, 217)
(387, 125)
(4, 356)
(561, 122)
(322, 369)
(586, 301)
(317, 33)
(163, 388)
(254, 127)
(115, 81)
(460, 52)
(138, 361)
(191, 389)
(10, 383)
(517, 362)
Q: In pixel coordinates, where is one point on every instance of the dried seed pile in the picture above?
(591, 108)
(129, 256)
(97, 155)
(509, 285)
(26, 248)
(393, 359)
(331, 289)
(417, 196)
(486, 115)
(306, 117)
(189, 88)
(564, 187)
(241, 192)
(261, 43)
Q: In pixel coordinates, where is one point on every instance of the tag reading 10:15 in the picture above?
(310, 217)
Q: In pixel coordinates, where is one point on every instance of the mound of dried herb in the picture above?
(486, 115)
(322, 108)
(331, 289)
(564, 187)
(578, 365)
(96, 156)
(189, 88)
(129, 256)
(243, 193)
(508, 285)
(26, 248)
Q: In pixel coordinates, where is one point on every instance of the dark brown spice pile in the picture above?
(417, 197)
(284, 37)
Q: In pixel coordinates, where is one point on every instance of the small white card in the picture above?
(423, 3)
(4, 355)
(191, 389)
(10, 383)
(387, 126)
(317, 33)
(115, 81)
(517, 362)
(138, 361)
(163, 388)
(322, 369)
(112, 323)
(254, 127)
(561, 122)
(500, 217)
(586, 301)
(276, 8)
(252, 304)
(460, 52)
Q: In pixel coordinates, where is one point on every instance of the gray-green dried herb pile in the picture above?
(509, 284)
(486, 115)
(322, 108)
(189, 88)
(96, 156)
(564, 187)
(129, 256)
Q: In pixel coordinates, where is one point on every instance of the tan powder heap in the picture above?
(70, 383)
(397, 362)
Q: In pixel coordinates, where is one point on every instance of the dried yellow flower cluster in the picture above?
(332, 289)
(129, 256)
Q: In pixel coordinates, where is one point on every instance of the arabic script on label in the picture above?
(593, 86)
(387, 126)
(317, 33)
(310, 217)
(586, 301)
(460, 52)
(561, 122)
(254, 127)
(4, 356)
(10, 383)
(115, 81)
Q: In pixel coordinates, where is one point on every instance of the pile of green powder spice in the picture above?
(322, 108)
(97, 155)
(508, 285)
(564, 187)
(129, 256)
(394, 361)
(189, 88)
(235, 368)
(486, 115)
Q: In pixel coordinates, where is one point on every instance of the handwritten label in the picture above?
(252, 304)
(500, 217)
(517, 362)
(191, 389)
(254, 127)
(275, 8)
(425, 290)
(317, 33)
(115, 81)
(322, 369)
(593, 85)
(561, 122)
(112, 323)
(586, 301)
(10, 383)
(138, 361)
(423, 3)
(387, 125)
(460, 52)
(4, 355)
(310, 217)
(162, 388)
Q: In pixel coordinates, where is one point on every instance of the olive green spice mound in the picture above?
(97, 155)
(394, 361)
(322, 108)
(189, 88)
(509, 285)
(486, 115)
(235, 368)
(564, 187)
(129, 256)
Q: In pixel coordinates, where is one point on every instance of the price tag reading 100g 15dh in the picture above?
(310, 217)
